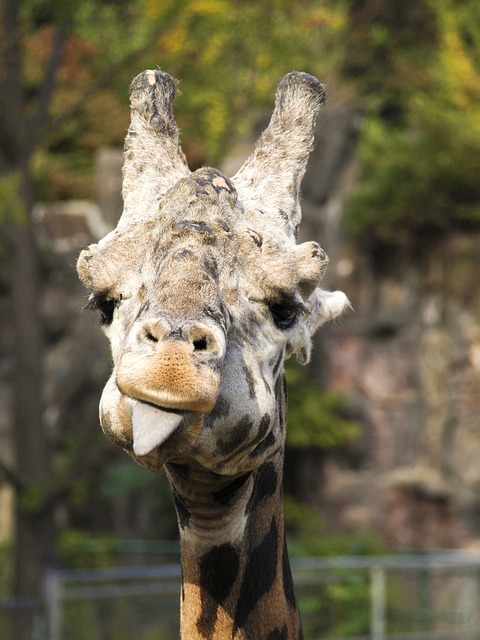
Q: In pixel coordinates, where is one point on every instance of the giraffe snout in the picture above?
(176, 367)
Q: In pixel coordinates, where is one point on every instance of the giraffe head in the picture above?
(202, 289)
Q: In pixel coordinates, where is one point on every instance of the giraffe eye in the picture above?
(285, 322)
(105, 305)
(285, 313)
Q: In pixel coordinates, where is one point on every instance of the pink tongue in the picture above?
(151, 427)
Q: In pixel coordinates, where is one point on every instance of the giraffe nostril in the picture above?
(150, 337)
(200, 344)
(203, 340)
(151, 332)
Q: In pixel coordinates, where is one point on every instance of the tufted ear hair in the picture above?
(153, 158)
(269, 181)
(321, 306)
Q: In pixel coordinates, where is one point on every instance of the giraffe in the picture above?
(203, 292)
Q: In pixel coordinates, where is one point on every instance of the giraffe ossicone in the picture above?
(203, 292)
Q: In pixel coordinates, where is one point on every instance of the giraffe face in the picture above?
(201, 306)
(202, 289)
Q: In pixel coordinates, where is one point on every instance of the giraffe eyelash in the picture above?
(102, 303)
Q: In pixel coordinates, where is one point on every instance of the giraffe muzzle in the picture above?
(171, 377)
(171, 373)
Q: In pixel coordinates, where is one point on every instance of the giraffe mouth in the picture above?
(152, 425)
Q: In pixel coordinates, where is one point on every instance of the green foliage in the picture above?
(309, 537)
(315, 420)
(33, 498)
(124, 477)
(130, 481)
(323, 608)
(414, 67)
(6, 567)
(353, 595)
(315, 415)
(12, 209)
(229, 57)
(143, 617)
(419, 150)
(426, 182)
(77, 550)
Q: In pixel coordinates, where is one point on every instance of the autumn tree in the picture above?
(415, 69)
(64, 70)
(20, 128)
(44, 58)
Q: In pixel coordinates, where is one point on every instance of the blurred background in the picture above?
(383, 442)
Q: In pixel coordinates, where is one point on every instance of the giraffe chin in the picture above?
(152, 426)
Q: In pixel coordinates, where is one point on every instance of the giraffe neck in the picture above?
(236, 579)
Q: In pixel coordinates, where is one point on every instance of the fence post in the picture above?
(378, 603)
(470, 598)
(53, 604)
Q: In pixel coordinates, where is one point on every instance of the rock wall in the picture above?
(407, 357)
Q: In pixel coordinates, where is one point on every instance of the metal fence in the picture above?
(426, 597)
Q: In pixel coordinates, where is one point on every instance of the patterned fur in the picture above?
(203, 293)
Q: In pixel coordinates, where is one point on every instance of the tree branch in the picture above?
(11, 91)
(12, 474)
(47, 89)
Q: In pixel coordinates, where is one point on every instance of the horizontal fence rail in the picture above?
(405, 597)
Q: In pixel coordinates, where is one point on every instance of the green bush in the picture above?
(314, 414)
(78, 550)
(415, 70)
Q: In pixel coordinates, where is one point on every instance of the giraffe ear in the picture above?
(268, 183)
(154, 160)
(321, 306)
